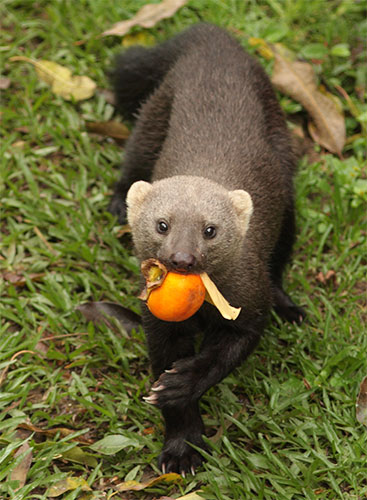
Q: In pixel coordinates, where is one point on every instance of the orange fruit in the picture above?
(178, 297)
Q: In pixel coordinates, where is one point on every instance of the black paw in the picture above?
(292, 314)
(175, 387)
(286, 308)
(178, 456)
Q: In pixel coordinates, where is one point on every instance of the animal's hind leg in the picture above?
(283, 304)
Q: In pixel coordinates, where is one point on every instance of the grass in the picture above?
(285, 420)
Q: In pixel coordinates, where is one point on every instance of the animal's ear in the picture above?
(134, 200)
(242, 204)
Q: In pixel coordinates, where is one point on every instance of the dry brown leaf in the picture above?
(61, 80)
(297, 79)
(328, 277)
(217, 299)
(147, 16)
(63, 431)
(361, 405)
(19, 473)
(116, 130)
(18, 279)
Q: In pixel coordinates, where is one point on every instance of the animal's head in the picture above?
(189, 223)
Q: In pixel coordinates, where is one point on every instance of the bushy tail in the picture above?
(137, 72)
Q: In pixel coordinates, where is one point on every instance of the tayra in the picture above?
(208, 183)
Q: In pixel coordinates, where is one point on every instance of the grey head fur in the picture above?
(188, 205)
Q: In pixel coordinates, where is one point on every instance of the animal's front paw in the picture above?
(175, 387)
(178, 456)
(291, 313)
(286, 308)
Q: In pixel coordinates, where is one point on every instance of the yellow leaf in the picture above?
(136, 486)
(113, 129)
(141, 38)
(61, 80)
(262, 47)
(70, 483)
(191, 496)
(217, 299)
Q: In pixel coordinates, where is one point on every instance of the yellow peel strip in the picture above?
(217, 299)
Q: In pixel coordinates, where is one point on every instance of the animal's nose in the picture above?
(183, 261)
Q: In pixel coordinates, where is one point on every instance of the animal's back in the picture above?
(225, 124)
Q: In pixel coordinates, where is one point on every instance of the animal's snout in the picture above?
(182, 261)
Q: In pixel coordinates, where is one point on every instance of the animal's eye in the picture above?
(162, 226)
(210, 232)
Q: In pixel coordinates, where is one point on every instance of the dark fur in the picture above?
(206, 108)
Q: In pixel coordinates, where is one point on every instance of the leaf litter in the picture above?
(147, 17)
(61, 80)
(297, 79)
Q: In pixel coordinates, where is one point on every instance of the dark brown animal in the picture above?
(211, 136)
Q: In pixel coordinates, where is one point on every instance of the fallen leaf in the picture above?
(262, 47)
(79, 456)
(62, 431)
(19, 473)
(136, 486)
(142, 38)
(17, 279)
(191, 496)
(18, 144)
(116, 130)
(297, 79)
(98, 312)
(361, 405)
(147, 16)
(5, 83)
(113, 444)
(217, 299)
(61, 80)
(328, 277)
(70, 483)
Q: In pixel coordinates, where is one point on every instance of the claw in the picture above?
(151, 399)
(183, 474)
(158, 388)
(164, 468)
(173, 370)
(192, 470)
